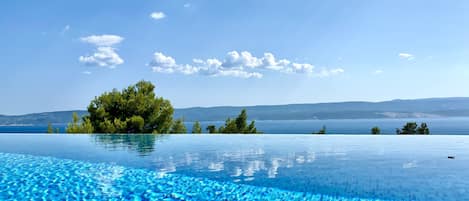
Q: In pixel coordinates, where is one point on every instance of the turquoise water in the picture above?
(233, 167)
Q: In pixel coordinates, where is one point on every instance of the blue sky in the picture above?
(58, 55)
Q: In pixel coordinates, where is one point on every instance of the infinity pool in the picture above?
(233, 167)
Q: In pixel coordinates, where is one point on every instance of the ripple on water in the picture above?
(26, 177)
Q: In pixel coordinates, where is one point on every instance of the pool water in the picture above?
(233, 167)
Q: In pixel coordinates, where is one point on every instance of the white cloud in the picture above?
(238, 73)
(166, 64)
(329, 72)
(157, 15)
(236, 64)
(187, 5)
(300, 68)
(104, 55)
(102, 40)
(406, 56)
(86, 72)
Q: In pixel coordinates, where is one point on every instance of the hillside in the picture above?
(418, 108)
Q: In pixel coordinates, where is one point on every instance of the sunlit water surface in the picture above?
(233, 167)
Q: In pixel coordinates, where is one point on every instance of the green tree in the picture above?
(322, 131)
(135, 109)
(375, 130)
(211, 129)
(79, 127)
(230, 127)
(410, 128)
(50, 129)
(241, 121)
(239, 125)
(178, 127)
(423, 129)
(196, 128)
(252, 127)
(57, 130)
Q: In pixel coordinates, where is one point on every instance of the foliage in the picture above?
(211, 129)
(196, 128)
(322, 131)
(410, 128)
(49, 128)
(178, 127)
(375, 130)
(135, 109)
(76, 127)
(423, 129)
(239, 125)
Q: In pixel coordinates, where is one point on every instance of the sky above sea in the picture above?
(58, 55)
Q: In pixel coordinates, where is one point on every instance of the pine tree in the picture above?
(196, 128)
(49, 128)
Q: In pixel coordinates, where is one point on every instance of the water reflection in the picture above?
(239, 165)
(143, 144)
(351, 166)
(235, 161)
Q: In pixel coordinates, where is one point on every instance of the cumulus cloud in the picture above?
(237, 64)
(104, 55)
(406, 56)
(102, 40)
(157, 15)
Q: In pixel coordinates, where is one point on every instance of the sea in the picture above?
(440, 126)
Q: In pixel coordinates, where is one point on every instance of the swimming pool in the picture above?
(233, 167)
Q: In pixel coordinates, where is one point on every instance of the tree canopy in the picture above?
(135, 109)
(50, 129)
(178, 127)
(375, 130)
(423, 129)
(79, 127)
(236, 125)
(196, 128)
(239, 125)
(411, 128)
(322, 131)
(211, 129)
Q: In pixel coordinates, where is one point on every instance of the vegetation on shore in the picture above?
(411, 129)
(375, 130)
(236, 125)
(137, 109)
(196, 128)
(321, 131)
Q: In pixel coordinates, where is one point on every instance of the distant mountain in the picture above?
(60, 117)
(418, 108)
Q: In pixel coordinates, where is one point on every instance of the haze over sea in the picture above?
(439, 126)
